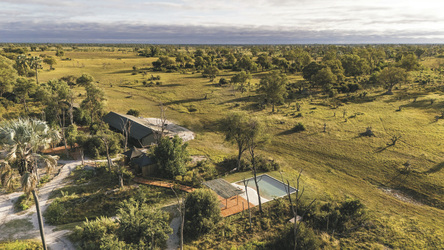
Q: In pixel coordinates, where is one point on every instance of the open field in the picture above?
(337, 164)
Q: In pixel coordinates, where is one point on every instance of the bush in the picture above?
(91, 233)
(262, 164)
(23, 203)
(339, 218)
(133, 112)
(192, 108)
(223, 82)
(306, 239)
(202, 212)
(299, 127)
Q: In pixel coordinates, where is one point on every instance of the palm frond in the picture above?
(29, 182)
(6, 175)
(49, 162)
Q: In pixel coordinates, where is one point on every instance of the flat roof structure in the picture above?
(223, 188)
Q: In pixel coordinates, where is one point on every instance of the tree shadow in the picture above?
(240, 99)
(129, 71)
(435, 169)
(170, 85)
(184, 101)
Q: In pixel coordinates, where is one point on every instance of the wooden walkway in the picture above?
(159, 183)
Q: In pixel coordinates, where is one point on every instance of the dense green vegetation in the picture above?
(317, 103)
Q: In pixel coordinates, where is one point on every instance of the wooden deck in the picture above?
(236, 205)
(160, 183)
(228, 207)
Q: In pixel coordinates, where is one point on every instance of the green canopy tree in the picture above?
(409, 62)
(391, 76)
(85, 80)
(324, 78)
(354, 65)
(241, 78)
(23, 88)
(94, 103)
(23, 139)
(273, 87)
(235, 127)
(264, 61)
(51, 61)
(8, 75)
(202, 212)
(210, 72)
(171, 156)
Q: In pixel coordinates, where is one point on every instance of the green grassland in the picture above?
(337, 164)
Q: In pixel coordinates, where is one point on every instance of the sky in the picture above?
(222, 21)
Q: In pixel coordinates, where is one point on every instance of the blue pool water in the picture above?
(269, 187)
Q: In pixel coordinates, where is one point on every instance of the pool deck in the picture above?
(235, 205)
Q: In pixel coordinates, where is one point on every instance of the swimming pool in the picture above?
(269, 187)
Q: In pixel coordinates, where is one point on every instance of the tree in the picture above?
(23, 88)
(310, 70)
(391, 76)
(354, 65)
(241, 78)
(94, 103)
(60, 53)
(235, 127)
(273, 87)
(58, 98)
(8, 75)
(202, 212)
(409, 62)
(247, 64)
(255, 135)
(35, 63)
(21, 65)
(51, 61)
(171, 156)
(85, 80)
(23, 139)
(324, 78)
(140, 223)
(264, 61)
(210, 72)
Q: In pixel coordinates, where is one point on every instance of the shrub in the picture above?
(299, 127)
(140, 223)
(133, 112)
(202, 212)
(223, 82)
(262, 164)
(91, 233)
(23, 202)
(192, 108)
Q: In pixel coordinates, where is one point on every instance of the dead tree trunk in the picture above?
(39, 217)
(253, 163)
(248, 202)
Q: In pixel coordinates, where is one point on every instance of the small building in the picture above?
(141, 163)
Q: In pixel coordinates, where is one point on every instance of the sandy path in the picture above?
(173, 240)
(54, 239)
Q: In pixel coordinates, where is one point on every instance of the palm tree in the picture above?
(23, 139)
(35, 63)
